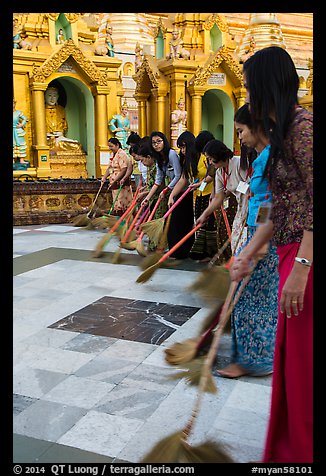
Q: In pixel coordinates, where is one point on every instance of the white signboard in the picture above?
(217, 79)
(104, 158)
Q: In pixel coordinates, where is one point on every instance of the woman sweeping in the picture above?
(117, 171)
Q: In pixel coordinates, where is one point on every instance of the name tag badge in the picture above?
(242, 187)
(263, 214)
(226, 203)
(202, 186)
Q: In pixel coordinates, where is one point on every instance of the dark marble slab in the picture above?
(21, 402)
(128, 319)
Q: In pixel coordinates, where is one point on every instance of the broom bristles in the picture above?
(173, 449)
(105, 221)
(181, 352)
(98, 252)
(140, 248)
(131, 245)
(153, 229)
(192, 371)
(145, 275)
(212, 283)
(166, 450)
(150, 260)
(81, 220)
(116, 257)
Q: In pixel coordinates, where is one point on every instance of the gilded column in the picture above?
(142, 120)
(101, 126)
(196, 93)
(40, 148)
(240, 94)
(161, 116)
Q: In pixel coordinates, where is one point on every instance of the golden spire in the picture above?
(263, 30)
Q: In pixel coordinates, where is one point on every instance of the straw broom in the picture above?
(151, 269)
(107, 221)
(107, 237)
(212, 281)
(175, 448)
(116, 256)
(84, 219)
(154, 228)
(138, 244)
(154, 257)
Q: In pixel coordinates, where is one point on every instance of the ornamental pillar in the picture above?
(196, 94)
(141, 99)
(40, 148)
(101, 127)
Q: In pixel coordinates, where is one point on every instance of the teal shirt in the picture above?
(258, 186)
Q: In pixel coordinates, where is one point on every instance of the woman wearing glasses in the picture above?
(168, 167)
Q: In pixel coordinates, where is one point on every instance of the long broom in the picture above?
(84, 219)
(151, 269)
(107, 221)
(154, 228)
(138, 243)
(212, 281)
(124, 240)
(153, 257)
(175, 448)
(108, 235)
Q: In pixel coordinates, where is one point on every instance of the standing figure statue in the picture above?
(56, 123)
(138, 56)
(120, 126)
(19, 142)
(109, 41)
(177, 50)
(178, 121)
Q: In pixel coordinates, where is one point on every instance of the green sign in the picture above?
(44, 158)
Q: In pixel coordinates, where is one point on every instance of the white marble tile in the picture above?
(129, 350)
(19, 230)
(36, 382)
(57, 228)
(50, 338)
(101, 433)
(56, 360)
(250, 397)
(78, 392)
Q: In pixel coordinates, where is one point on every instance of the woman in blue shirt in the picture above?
(254, 318)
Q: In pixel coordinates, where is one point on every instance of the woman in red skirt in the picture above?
(272, 86)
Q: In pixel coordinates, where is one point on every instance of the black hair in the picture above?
(133, 138)
(189, 160)
(273, 83)
(115, 141)
(134, 148)
(145, 149)
(160, 157)
(247, 154)
(201, 140)
(217, 150)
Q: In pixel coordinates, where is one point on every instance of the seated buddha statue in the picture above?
(56, 124)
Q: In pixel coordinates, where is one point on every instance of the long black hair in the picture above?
(273, 83)
(189, 160)
(217, 150)
(247, 154)
(160, 158)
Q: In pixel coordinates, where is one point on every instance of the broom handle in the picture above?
(170, 210)
(226, 221)
(150, 217)
(143, 217)
(123, 216)
(225, 314)
(177, 245)
(94, 201)
(114, 201)
(124, 239)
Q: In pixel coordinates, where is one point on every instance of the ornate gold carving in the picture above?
(159, 26)
(203, 73)
(84, 201)
(52, 202)
(71, 17)
(41, 73)
(215, 18)
(145, 68)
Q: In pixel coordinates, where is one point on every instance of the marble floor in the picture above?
(90, 381)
